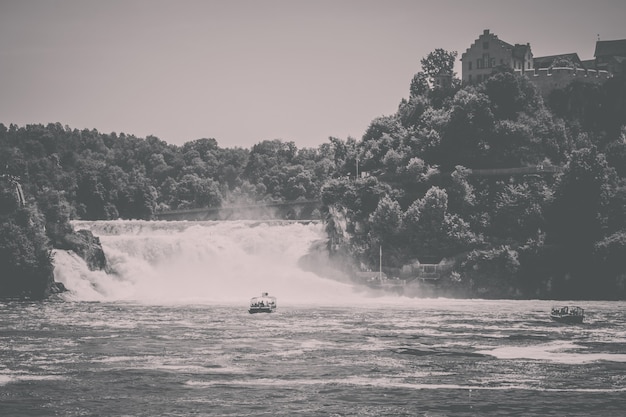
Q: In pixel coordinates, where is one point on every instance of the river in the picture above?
(169, 335)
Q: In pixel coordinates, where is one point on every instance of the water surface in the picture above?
(426, 357)
(168, 334)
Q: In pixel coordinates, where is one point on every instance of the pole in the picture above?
(380, 264)
(357, 168)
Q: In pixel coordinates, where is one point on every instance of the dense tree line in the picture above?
(24, 249)
(70, 174)
(539, 235)
(406, 185)
(109, 176)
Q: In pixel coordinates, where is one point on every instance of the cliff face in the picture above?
(88, 247)
(85, 245)
(27, 267)
(54, 287)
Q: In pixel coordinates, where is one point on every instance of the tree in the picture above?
(92, 197)
(423, 220)
(609, 253)
(511, 94)
(384, 125)
(232, 162)
(137, 200)
(492, 272)
(614, 106)
(419, 85)
(466, 131)
(385, 227)
(512, 145)
(579, 213)
(580, 103)
(359, 199)
(411, 111)
(195, 192)
(518, 212)
(386, 221)
(267, 154)
(25, 257)
(431, 231)
(437, 63)
(581, 199)
(461, 197)
(202, 146)
(297, 183)
(616, 153)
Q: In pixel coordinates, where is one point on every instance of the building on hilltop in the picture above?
(488, 52)
(443, 80)
(547, 72)
(558, 71)
(550, 79)
(611, 56)
(564, 60)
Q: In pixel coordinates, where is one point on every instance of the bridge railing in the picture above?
(294, 210)
(537, 169)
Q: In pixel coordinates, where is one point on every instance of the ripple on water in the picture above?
(561, 352)
(366, 361)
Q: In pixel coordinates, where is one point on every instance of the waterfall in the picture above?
(217, 262)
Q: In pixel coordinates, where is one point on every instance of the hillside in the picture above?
(410, 184)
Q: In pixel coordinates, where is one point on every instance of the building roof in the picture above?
(548, 61)
(492, 37)
(611, 48)
(519, 51)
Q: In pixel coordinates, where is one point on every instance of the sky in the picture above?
(244, 71)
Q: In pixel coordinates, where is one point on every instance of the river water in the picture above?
(151, 341)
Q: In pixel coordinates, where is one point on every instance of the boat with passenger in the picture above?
(263, 304)
(568, 314)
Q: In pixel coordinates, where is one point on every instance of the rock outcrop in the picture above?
(88, 247)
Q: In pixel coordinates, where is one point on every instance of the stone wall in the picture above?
(549, 80)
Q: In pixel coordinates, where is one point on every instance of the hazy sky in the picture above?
(242, 71)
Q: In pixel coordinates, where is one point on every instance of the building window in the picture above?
(470, 78)
(485, 45)
(492, 62)
(479, 63)
(469, 65)
(486, 61)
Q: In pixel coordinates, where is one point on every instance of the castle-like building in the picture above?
(548, 72)
(488, 52)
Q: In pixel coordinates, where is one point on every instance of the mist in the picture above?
(206, 262)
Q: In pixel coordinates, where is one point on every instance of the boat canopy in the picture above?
(264, 299)
(568, 310)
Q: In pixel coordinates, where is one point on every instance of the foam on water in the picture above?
(223, 262)
(560, 352)
(5, 379)
(13, 378)
(391, 383)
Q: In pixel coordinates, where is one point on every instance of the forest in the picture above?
(415, 184)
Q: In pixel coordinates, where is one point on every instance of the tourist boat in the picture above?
(263, 304)
(567, 314)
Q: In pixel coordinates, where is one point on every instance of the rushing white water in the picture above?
(434, 358)
(171, 335)
(226, 262)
